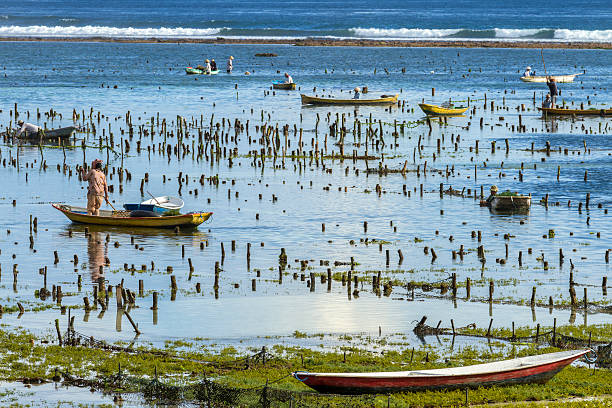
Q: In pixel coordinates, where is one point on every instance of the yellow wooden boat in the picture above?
(581, 112)
(122, 218)
(430, 109)
(383, 100)
(283, 85)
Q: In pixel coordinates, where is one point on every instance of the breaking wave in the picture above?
(494, 33)
(102, 31)
(499, 34)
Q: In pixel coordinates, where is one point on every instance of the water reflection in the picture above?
(97, 252)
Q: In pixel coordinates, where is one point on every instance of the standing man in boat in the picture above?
(213, 65)
(554, 91)
(230, 64)
(27, 129)
(288, 79)
(97, 190)
(207, 67)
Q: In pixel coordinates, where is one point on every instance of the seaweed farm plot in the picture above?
(341, 239)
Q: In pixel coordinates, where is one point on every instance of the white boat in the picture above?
(165, 203)
(558, 78)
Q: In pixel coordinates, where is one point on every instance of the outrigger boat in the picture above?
(283, 85)
(433, 110)
(124, 219)
(533, 369)
(558, 78)
(383, 100)
(196, 71)
(581, 112)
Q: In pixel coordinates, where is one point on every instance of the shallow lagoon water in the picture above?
(150, 79)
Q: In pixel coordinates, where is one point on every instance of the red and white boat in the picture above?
(533, 369)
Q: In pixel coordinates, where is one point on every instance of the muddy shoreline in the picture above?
(327, 42)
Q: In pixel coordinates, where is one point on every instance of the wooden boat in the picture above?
(558, 78)
(52, 134)
(283, 85)
(581, 112)
(195, 71)
(533, 369)
(123, 219)
(430, 109)
(510, 203)
(383, 100)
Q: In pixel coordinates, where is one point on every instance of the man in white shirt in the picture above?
(27, 129)
(288, 79)
(527, 72)
(230, 64)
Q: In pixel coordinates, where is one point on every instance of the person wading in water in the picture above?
(97, 190)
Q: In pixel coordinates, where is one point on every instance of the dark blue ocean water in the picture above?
(469, 19)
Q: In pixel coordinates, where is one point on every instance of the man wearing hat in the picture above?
(356, 95)
(528, 72)
(97, 190)
(27, 129)
(213, 65)
(494, 191)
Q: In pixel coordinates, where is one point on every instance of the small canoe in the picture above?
(581, 112)
(533, 369)
(283, 85)
(430, 109)
(383, 100)
(123, 218)
(510, 203)
(195, 71)
(558, 78)
(164, 203)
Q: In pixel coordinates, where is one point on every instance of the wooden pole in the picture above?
(543, 63)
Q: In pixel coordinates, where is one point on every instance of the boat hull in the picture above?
(581, 112)
(79, 215)
(313, 100)
(518, 371)
(558, 78)
(195, 71)
(50, 134)
(510, 203)
(283, 86)
(439, 110)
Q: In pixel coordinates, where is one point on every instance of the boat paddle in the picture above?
(109, 203)
(543, 63)
(152, 196)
